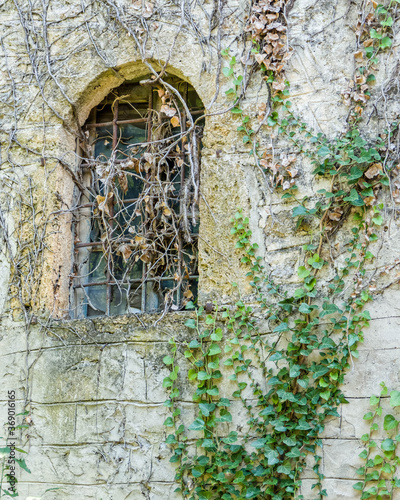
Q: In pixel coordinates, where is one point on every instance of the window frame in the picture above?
(79, 282)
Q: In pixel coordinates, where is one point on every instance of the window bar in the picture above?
(118, 122)
(133, 120)
(183, 130)
(114, 147)
(137, 280)
(87, 180)
(149, 125)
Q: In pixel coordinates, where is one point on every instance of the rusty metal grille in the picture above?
(137, 222)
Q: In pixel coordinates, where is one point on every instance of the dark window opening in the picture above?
(136, 225)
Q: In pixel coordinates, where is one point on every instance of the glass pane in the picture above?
(104, 113)
(189, 263)
(130, 134)
(153, 298)
(135, 298)
(166, 287)
(97, 267)
(129, 186)
(118, 303)
(132, 111)
(194, 101)
(103, 143)
(189, 291)
(96, 299)
(129, 270)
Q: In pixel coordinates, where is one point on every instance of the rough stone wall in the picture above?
(94, 387)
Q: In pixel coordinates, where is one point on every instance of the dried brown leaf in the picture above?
(335, 214)
(373, 171)
(260, 58)
(359, 55)
(125, 251)
(168, 110)
(175, 121)
(369, 200)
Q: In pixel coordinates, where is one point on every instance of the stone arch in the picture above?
(102, 84)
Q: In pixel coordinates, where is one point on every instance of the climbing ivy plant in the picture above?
(286, 377)
(380, 456)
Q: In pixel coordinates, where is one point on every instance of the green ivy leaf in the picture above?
(303, 425)
(303, 272)
(374, 400)
(389, 422)
(363, 454)
(395, 399)
(368, 416)
(294, 371)
(213, 391)
(168, 360)
(207, 408)
(294, 452)
(227, 71)
(305, 308)
(285, 469)
(299, 293)
(171, 439)
(388, 445)
(258, 443)
(217, 335)
(197, 471)
(271, 121)
(207, 443)
(231, 438)
(190, 323)
(323, 151)
(325, 395)
(272, 457)
(328, 308)
(252, 492)
(225, 416)
(214, 349)
(299, 210)
(354, 199)
(386, 43)
(289, 441)
(168, 422)
(282, 327)
(197, 425)
(378, 219)
(374, 34)
(22, 464)
(167, 382)
(355, 173)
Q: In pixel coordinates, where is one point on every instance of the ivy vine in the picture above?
(287, 377)
(381, 457)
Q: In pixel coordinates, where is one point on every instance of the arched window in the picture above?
(136, 223)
